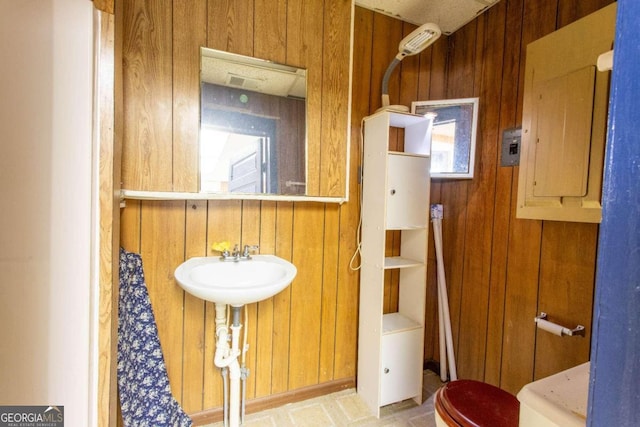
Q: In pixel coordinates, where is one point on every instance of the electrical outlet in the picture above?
(511, 145)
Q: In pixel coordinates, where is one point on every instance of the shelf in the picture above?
(395, 197)
(393, 323)
(408, 228)
(404, 120)
(400, 262)
(176, 195)
(402, 153)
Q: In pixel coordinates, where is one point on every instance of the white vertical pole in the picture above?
(443, 300)
(443, 345)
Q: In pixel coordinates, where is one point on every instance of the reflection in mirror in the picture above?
(252, 126)
(453, 138)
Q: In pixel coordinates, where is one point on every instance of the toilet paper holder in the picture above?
(578, 330)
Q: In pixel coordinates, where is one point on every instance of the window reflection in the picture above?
(453, 136)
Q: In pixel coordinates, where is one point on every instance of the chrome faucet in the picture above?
(246, 253)
(236, 255)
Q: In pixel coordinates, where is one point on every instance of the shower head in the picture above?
(414, 43)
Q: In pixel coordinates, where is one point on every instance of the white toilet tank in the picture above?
(559, 400)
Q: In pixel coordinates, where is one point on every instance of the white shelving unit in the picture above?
(395, 197)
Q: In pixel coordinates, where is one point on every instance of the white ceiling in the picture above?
(257, 75)
(450, 15)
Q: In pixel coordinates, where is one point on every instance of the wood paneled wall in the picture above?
(501, 271)
(161, 50)
(307, 334)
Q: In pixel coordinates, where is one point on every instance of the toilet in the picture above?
(559, 400)
(470, 403)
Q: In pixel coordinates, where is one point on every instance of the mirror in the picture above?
(453, 138)
(253, 137)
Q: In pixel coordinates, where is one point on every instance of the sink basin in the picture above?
(235, 283)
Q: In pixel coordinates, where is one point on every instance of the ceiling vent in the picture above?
(242, 82)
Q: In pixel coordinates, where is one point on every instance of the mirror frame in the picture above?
(423, 107)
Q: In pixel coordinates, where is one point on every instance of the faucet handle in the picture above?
(248, 249)
(236, 250)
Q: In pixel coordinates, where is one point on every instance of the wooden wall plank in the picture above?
(454, 198)
(162, 249)
(270, 32)
(567, 276)
(130, 226)
(336, 47)
(409, 72)
(194, 312)
(346, 329)
(230, 25)
(305, 20)
(423, 77)
(346, 324)
(461, 58)
(282, 302)
(306, 295)
(571, 10)
(147, 61)
(455, 193)
(189, 34)
(509, 17)
(478, 233)
(331, 243)
(264, 325)
(521, 303)
(384, 49)
(362, 69)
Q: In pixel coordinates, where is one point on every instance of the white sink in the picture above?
(235, 283)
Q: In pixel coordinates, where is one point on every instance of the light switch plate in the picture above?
(511, 146)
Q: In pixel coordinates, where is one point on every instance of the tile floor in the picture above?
(345, 408)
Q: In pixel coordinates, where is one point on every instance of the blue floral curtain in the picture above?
(143, 384)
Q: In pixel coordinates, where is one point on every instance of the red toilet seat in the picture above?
(471, 403)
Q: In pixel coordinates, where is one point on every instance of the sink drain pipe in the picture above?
(244, 371)
(227, 357)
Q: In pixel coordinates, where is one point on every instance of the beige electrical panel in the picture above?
(564, 121)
